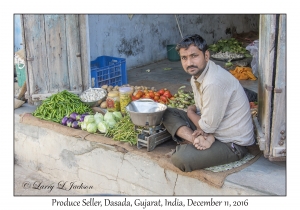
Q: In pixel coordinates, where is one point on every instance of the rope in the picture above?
(178, 26)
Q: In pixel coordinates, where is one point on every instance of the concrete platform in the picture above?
(261, 178)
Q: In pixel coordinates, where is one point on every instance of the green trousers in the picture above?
(186, 157)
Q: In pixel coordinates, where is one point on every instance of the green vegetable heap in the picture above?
(229, 45)
(123, 130)
(59, 105)
(182, 100)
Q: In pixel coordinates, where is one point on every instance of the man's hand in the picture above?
(197, 133)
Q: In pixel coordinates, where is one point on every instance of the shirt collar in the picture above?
(201, 77)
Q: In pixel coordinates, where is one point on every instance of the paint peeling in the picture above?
(228, 31)
(131, 47)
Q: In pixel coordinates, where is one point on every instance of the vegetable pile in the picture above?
(93, 94)
(60, 105)
(98, 122)
(69, 110)
(182, 99)
(229, 45)
(124, 131)
(161, 96)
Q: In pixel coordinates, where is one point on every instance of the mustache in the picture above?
(192, 67)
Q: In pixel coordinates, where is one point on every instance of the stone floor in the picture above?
(171, 79)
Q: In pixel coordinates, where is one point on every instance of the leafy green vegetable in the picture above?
(117, 115)
(89, 119)
(228, 45)
(98, 119)
(92, 127)
(98, 115)
(103, 127)
(108, 116)
(83, 126)
(111, 122)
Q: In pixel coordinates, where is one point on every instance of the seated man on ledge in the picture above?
(219, 126)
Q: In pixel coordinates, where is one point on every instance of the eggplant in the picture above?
(64, 120)
(82, 118)
(75, 124)
(78, 117)
(69, 122)
(73, 115)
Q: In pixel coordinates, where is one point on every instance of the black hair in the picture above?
(195, 39)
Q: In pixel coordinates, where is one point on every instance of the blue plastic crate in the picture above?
(107, 70)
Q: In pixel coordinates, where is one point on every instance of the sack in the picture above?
(18, 103)
(253, 49)
(251, 95)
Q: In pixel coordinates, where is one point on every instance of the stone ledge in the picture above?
(109, 169)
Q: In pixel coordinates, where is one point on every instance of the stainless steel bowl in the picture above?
(96, 102)
(145, 112)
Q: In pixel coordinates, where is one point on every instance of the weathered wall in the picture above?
(63, 159)
(143, 39)
(17, 33)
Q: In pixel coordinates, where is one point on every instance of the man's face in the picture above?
(193, 60)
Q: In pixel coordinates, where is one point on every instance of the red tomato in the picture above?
(156, 94)
(133, 98)
(156, 98)
(161, 91)
(151, 94)
(162, 102)
(146, 96)
(163, 98)
(167, 94)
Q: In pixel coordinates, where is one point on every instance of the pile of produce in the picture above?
(161, 96)
(100, 122)
(59, 105)
(233, 47)
(93, 94)
(124, 131)
(182, 99)
(70, 110)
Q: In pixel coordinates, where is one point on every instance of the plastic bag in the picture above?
(253, 49)
(251, 95)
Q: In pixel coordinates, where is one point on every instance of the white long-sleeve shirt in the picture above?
(223, 106)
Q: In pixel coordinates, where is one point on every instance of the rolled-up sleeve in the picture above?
(215, 100)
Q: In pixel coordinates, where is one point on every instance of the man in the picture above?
(219, 126)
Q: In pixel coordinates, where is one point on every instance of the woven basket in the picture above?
(18, 103)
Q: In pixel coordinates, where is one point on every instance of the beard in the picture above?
(195, 70)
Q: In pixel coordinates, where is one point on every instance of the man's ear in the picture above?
(207, 55)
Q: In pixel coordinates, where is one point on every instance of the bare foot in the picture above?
(204, 142)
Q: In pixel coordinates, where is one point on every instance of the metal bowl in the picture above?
(96, 102)
(146, 112)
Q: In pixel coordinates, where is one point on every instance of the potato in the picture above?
(109, 89)
(103, 105)
(104, 87)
